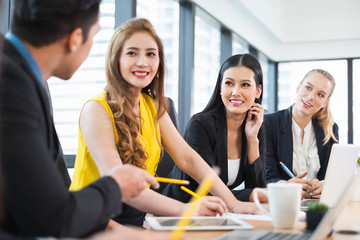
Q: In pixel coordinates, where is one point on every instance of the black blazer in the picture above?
(206, 133)
(36, 197)
(279, 145)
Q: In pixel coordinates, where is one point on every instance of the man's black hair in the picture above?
(41, 22)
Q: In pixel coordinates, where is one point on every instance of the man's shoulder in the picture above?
(12, 63)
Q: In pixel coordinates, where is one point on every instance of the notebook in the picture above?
(321, 232)
(341, 167)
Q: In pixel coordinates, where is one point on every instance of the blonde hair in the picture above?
(119, 96)
(324, 116)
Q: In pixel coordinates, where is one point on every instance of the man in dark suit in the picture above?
(52, 38)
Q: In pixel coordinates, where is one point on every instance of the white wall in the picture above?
(293, 29)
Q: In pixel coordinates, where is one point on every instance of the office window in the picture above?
(290, 74)
(239, 46)
(164, 15)
(206, 63)
(356, 100)
(4, 16)
(265, 67)
(69, 96)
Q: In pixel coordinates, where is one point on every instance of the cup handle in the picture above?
(257, 202)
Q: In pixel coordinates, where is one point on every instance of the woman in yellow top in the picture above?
(129, 124)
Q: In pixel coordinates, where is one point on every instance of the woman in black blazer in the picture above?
(228, 132)
(301, 136)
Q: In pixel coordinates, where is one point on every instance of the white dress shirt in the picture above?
(305, 154)
(233, 171)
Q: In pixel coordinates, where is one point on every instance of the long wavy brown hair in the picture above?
(119, 97)
(324, 116)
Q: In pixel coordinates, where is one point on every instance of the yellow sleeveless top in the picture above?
(85, 169)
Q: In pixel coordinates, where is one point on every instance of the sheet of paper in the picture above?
(263, 217)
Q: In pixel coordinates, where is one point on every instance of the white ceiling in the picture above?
(293, 29)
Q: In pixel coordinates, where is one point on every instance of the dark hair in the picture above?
(246, 60)
(41, 22)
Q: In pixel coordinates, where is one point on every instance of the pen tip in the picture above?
(186, 182)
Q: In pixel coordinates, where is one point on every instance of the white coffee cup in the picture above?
(284, 203)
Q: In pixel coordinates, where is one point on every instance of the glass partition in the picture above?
(164, 15)
(206, 63)
(69, 96)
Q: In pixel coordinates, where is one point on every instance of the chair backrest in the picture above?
(69, 160)
(167, 163)
(172, 111)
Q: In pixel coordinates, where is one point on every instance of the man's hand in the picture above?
(132, 180)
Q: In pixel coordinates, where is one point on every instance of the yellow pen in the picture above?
(170, 180)
(202, 190)
(185, 189)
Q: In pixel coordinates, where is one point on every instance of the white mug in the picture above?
(284, 203)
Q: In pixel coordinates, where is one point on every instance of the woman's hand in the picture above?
(246, 208)
(317, 187)
(307, 188)
(254, 120)
(262, 197)
(210, 206)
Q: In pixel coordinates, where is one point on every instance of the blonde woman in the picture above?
(128, 123)
(301, 136)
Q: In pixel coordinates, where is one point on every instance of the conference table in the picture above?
(349, 219)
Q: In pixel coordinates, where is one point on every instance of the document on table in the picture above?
(262, 217)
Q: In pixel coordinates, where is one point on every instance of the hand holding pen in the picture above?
(202, 190)
(306, 185)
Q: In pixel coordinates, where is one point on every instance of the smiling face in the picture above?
(313, 94)
(238, 89)
(139, 60)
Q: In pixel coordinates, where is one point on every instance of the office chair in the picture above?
(167, 163)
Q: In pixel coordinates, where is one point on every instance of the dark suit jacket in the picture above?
(36, 197)
(279, 145)
(7, 236)
(206, 133)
